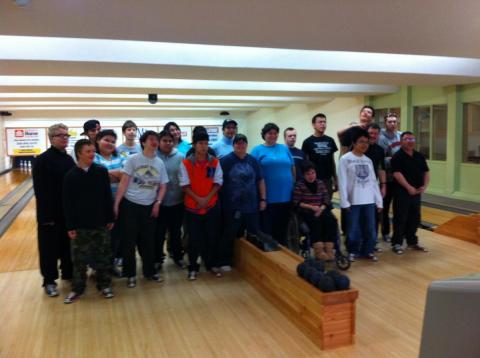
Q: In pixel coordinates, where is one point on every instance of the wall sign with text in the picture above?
(26, 141)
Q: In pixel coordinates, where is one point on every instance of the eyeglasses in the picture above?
(409, 139)
(63, 136)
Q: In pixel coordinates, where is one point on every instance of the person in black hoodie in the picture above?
(88, 207)
(49, 169)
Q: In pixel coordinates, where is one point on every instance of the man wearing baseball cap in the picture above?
(91, 129)
(224, 145)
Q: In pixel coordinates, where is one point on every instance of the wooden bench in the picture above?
(328, 319)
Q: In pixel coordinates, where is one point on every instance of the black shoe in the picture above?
(51, 289)
(72, 297)
(417, 247)
(156, 277)
(180, 263)
(107, 292)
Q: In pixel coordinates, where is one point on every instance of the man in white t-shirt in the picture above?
(360, 197)
(137, 205)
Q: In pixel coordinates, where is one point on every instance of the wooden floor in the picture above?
(10, 180)
(212, 317)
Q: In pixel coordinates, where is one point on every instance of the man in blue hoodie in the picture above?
(224, 145)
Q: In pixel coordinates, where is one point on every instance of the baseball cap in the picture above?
(88, 125)
(226, 122)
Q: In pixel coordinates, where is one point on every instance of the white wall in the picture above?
(339, 111)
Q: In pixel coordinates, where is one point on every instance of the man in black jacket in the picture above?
(88, 206)
(48, 172)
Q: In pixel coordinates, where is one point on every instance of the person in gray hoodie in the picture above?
(172, 208)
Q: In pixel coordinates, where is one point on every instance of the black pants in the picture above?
(115, 241)
(170, 219)
(274, 221)
(387, 200)
(233, 221)
(323, 228)
(54, 245)
(203, 238)
(138, 229)
(406, 218)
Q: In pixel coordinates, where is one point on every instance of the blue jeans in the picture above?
(361, 237)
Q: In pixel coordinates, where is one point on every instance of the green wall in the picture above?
(450, 178)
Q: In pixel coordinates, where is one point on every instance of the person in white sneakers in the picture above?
(360, 197)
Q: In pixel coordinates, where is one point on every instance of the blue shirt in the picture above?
(115, 162)
(183, 147)
(240, 178)
(276, 163)
(223, 147)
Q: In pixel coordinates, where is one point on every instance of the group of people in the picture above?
(98, 205)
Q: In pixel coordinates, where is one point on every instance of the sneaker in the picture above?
(51, 290)
(180, 263)
(378, 249)
(216, 272)
(351, 257)
(192, 275)
(417, 247)
(397, 249)
(131, 282)
(226, 268)
(386, 238)
(71, 297)
(107, 292)
(372, 257)
(156, 277)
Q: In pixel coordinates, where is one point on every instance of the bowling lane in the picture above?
(9, 181)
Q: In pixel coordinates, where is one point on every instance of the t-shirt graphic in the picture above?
(147, 177)
(361, 172)
(322, 148)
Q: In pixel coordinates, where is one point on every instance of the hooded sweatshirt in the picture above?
(172, 161)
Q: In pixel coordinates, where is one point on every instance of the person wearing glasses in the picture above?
(389, 140)
(49, 170)
(360, 197)
(411, 174)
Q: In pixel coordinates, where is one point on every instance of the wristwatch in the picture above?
(158, 201)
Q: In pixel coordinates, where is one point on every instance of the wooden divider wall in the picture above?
(328, 319)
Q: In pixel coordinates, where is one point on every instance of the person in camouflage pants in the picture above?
(88, 209)
(91, 245)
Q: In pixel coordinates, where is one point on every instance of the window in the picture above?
(471, 132)
(430, 128)
(439, 130)
(380, 114)
(421, 118)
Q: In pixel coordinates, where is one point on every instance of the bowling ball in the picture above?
(326, 284)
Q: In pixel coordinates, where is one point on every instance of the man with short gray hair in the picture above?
(49, 169)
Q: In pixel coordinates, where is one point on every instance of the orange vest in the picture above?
(201, 183)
